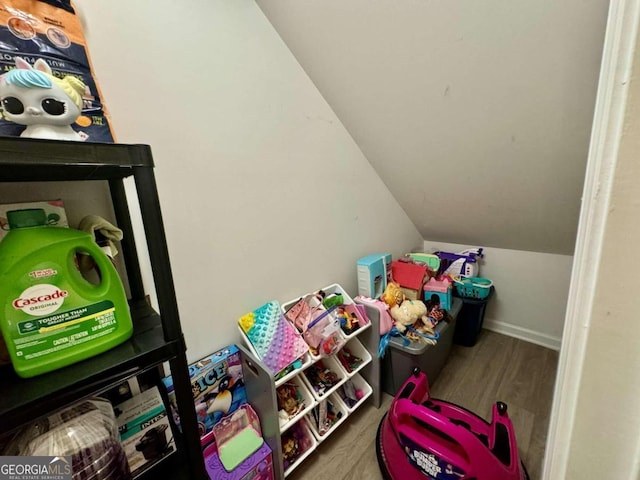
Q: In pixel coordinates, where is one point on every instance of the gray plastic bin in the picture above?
(400, 360)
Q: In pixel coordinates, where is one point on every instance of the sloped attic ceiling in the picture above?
(476, 115)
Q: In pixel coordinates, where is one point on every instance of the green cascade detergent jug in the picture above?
(51, 315)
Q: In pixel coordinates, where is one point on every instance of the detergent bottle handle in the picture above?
(103, 263)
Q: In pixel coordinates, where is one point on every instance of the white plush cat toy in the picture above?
(47, 105)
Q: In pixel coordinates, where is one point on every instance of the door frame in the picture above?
(609, 114)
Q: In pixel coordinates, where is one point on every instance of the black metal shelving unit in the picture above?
(157, 336)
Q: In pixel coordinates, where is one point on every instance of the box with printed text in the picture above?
(144, 430)
(217, 384)
(54, 210)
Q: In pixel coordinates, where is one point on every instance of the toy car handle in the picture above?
(406, 409)
(416, 388)
(500, 417)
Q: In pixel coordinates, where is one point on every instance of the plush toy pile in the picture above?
(413, 318)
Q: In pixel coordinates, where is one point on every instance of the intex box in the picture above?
(218, 388)
(144, 430)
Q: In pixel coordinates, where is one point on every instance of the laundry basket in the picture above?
(472, 287)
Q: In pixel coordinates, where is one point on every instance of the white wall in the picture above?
(264, 193)
(476, 115)
(531, 290)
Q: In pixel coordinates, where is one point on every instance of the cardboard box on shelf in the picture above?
(54, 209)
(218, 388)
(144, 430)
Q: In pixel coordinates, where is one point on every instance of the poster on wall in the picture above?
(47, 86)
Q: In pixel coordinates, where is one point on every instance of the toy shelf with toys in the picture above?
(320, 388)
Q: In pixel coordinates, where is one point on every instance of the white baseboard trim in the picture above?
(525, 334)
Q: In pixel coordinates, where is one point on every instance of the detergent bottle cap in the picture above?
(32, 217)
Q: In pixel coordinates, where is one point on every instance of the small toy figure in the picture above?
(289, 399)
(47, 105)
(348, 321)
(435, 315)
(321, 378)
(349, 361)
(290, 449)
(392, 295)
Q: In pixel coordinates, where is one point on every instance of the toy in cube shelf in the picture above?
(217, 385)
(274, 340)
(349, 361)
(321, 377)
(325, 415)
(350, 394)
(352, 317)
(290, 401)
(295, 442)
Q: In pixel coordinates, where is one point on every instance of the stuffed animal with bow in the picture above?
(392, 295)
(408, 313)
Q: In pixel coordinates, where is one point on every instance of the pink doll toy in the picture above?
(47, 105)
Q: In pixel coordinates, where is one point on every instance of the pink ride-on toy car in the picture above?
(424, 438)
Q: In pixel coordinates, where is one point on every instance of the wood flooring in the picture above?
(498, 367)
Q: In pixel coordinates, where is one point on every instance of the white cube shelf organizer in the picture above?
(359, 343)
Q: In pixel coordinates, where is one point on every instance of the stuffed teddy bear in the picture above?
(407, 313)
(392, 295)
